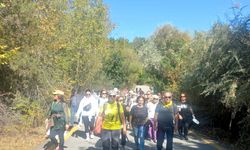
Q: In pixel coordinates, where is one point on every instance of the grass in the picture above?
(21, 138)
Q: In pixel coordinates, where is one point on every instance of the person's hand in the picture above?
(155, 127)
(127, 108)
(175, 128)
(180, 117)
(124, 131)
(58, 115)
(67, 127)
(54, 115)
(130, 126)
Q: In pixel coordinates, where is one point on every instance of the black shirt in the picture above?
(184, 111)
(166, 115)
(139, 115)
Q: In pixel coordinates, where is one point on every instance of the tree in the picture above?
(49, 45)
(123, 66)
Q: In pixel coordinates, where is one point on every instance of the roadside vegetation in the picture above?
(46, 45)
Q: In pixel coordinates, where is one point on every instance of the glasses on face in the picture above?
(168, 97)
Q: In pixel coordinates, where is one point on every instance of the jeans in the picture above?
(72, 115)
(183, 127)
(161, 132)
(88, 123)
(110, 138)
(123, 138)
(60, 133)
(139, 136)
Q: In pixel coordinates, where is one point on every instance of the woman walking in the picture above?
(138, 118)
(113, 118)
(185, 117)
(151, 112)
(87, 110)
(58, 112)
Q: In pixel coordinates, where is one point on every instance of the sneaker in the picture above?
(57, 138)
(91, 136)
(87, 136)
(186, 138)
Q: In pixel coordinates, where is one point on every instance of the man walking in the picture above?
(164, 121)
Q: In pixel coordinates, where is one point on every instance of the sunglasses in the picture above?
(168, 97)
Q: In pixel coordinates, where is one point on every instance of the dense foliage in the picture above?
(47, 45)
(212, 68)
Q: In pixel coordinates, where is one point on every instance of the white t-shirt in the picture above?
(151, 109)
(84, 102)
(102, 101)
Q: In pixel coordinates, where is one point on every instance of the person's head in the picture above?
(120, 99)
(58, 95)
(131, 92)
(88, 93)
(116, 90)
(140, 100)
(167, 97)
(155, 99)
(159, 94)
(141, 93)
(103, 93)
(73, 91)
(148, 95)
(112, 95)
(183, 97)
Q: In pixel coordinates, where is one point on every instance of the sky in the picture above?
(140, 18)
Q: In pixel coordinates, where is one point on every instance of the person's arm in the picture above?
(155, 120)
(176, 117)
(80, 108)
(191, 110)
(66, 112)
(123, 123)
(94, 106)
(130, 121)
(49, 111)
(146, 119)
(131, 117)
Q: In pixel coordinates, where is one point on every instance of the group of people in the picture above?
(147, 115)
